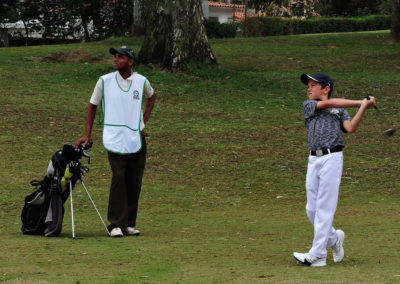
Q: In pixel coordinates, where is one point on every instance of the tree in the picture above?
(28, 12)
(7, 11)
(84, 16)
(175, 34)
(395, 25)
(122, 17)
(57, 20)
(262, 5)
(349, 8)
(100, 19)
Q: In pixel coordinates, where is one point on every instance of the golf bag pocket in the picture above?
(35, 208)
(55, 212)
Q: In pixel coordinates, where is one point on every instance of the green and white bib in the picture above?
(122, 112)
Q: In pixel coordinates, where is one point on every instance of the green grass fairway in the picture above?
(223, 198)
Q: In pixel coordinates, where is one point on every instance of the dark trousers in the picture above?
(126, 183)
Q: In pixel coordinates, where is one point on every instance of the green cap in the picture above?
(125, 50)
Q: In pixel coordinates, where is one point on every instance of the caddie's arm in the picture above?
(149, 105)
(90, 115)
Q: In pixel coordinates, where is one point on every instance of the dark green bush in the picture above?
(215, 29)
(253, 26)
(273, 26)
(267, 26)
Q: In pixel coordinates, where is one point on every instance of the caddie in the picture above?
(121, 94)
(325, 119)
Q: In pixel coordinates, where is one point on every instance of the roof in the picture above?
(239, 16)
(239, 13)
(224, 5)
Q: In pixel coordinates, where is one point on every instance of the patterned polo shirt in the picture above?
(324, 126)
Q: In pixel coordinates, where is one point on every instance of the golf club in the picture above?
(72, 211)
(94, 205)
(81, 152)
(388, 132)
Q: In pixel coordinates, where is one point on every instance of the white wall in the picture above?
(206, 11)
(223, 14)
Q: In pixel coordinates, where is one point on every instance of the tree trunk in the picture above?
(175, 34)
(234, 12)
(132, 28)
(85, 28)
(245, 18)
(26, 33)
(395, 25)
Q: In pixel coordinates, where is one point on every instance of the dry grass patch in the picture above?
(75, 56)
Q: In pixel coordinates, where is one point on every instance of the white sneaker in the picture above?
(116, 232)
(131, 231)
(308, 259)
(337, 249)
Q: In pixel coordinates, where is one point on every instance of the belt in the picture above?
(324, 151)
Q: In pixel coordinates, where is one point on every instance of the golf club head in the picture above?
(389, 132)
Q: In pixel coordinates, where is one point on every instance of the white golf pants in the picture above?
(322, 186)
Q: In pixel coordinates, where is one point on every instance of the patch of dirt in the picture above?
(76, 56)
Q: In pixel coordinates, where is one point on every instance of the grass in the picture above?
(223, 195)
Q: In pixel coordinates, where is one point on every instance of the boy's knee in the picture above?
(310, 211)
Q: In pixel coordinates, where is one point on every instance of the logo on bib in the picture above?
(136, 95)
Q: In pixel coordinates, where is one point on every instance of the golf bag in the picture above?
(43, 209)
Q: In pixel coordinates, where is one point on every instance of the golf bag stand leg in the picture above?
(72, 210)
(94, 205)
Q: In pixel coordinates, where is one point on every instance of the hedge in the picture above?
(216, 29)
(267, 26)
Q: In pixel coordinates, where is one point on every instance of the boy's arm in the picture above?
(338, 103)
(349, 125)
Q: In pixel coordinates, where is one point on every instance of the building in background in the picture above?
(225, 12)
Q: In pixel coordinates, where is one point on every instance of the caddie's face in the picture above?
(316, 92)
(122, 61)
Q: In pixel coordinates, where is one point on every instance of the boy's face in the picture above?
(315, 91)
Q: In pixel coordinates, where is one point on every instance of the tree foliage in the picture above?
(88, 19)
(344, 8)
(26, 12)
(7, 11)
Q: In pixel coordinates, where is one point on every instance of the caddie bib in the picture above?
(122, 112)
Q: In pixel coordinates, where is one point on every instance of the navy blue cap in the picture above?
(124, 50)
(319, 77)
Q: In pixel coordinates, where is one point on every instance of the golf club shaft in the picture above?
(389, 132)
(383, 116)
(94, 205)
(72, 210)
(378, 110)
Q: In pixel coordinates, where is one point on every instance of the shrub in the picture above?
(216, 29)
(274, 26)
(266, 26)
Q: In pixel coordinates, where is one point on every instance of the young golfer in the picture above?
(325, 119)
